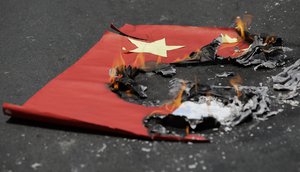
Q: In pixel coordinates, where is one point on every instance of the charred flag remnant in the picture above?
(123, 81)
(102, 90)
(205, 107)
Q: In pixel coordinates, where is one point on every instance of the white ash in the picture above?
(288, 96)
(146, 149)
(203, 108)
(266, 64)
(290, 102)
(231, 114)
(36, 165)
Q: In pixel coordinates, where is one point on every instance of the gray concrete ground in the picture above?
(40, 39)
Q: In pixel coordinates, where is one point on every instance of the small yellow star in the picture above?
(158, 47)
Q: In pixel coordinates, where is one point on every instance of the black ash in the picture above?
(124, 84)
(264, 52)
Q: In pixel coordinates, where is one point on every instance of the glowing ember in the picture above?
(116, 86)
(187, 130)
(270, 39)
(236, 82)
(128, 93)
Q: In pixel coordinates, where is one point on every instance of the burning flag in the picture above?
(84, 95)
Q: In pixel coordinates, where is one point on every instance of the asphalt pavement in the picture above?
(39, 39)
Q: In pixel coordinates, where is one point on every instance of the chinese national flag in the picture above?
(79, 96)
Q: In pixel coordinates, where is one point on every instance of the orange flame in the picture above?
(270, 39)
(170, 107)
(236, 82)
(128, 93)
(139, 61)
(243, 24)
(177, 101)
(158, 61)
(115, 86)
(181, 59)
(118, 64)
(187, 130)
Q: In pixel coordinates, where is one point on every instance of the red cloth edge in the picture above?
(17, 111)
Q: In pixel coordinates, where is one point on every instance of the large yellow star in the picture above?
(158, 47)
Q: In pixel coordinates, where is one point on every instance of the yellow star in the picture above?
(158, 47)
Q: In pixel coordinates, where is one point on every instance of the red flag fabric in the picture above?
(80, 97)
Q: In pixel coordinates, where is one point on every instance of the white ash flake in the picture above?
(36, 165)
(194, 110)
(146, 149)
(102, 148)
(193, 166)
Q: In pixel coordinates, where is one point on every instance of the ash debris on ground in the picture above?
(287, 83)
(288, 79)
(206, 107)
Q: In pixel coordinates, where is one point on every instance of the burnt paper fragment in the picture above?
(129, 86)
(254, 105)
(193, 90)
(206, 54)
(167, 71)
(288, 79)
(264, 52)
(266, 64)
(123, 82)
